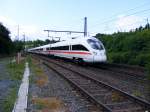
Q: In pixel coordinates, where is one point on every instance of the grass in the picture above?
(16, 70)
(137, 93)
(10, 100)
(16, 73)
(116, 97)
(48, 104)
(41, 79)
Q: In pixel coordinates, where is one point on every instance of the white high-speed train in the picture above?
(86, 49)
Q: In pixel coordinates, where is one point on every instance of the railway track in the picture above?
(103, 95)
(130, 71)
(138, 86)
(59, 88)
(134, 72)
(119, 76)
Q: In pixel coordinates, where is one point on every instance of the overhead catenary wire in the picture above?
(116, 29)
(123, 16)
(111, 18)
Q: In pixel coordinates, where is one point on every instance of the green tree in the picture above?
(6, 45)
(18, 46)
(128, 47)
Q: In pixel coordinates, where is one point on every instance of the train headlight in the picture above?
(95, 53)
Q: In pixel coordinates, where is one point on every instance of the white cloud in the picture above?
(32, 32)
(126, 23)
(28, 29)
(7, 21)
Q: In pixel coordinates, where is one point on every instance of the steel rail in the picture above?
(142, 102)
(84, 92)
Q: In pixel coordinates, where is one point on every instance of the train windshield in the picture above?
(95, 44)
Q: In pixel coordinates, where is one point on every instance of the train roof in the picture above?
(73, 40)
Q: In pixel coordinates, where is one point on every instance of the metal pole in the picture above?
(24, 41)
(85, 26)
(18, 32)
(147, 23)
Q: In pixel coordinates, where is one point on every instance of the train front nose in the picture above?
(100, 56)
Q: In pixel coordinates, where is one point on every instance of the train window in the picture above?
(79, 47)
(60, 48)
(47, 48)
(64, 47)
(52, 48)
(95, 44)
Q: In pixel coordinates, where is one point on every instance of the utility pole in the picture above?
(147, 24)
(18, 32)
(24, 42)
(85, 26)
(147, 21)
(48, 34)
(67, 31)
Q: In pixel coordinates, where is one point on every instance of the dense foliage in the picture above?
(9, 47)
(128, 47)
(6, 44)
(20, 46)
(36, 43)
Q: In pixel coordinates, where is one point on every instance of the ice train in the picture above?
(84, 49)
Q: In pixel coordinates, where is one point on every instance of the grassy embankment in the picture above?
(16, 73)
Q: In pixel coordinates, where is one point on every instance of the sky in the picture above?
(31, 17)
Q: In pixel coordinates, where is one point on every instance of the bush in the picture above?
(127, 47)
(120, 57)
(142, 59)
